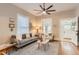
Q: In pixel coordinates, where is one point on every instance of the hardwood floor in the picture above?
(67, 48)
(56, 48)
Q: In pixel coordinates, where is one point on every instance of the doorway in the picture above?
(68, 30)
(65, 30)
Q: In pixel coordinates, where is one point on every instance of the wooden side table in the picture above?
(5, 48)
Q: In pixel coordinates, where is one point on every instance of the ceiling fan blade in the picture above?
(41, 7)
(39, 12)
(50, 10)
(36, 10)
(44, 5)
(49, 7)
(48, 13)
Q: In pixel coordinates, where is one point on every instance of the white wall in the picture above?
(4, 30)
(7, 11)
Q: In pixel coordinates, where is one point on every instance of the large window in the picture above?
(47, 25)
(22, 25)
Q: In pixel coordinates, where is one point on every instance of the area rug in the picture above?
(32, 49)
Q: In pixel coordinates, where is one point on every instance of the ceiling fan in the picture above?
(44, 9)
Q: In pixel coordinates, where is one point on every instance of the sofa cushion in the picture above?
(23, 36)
(24, 41)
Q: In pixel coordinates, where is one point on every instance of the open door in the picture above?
(78, 33)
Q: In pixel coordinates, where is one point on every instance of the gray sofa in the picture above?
(23, 42)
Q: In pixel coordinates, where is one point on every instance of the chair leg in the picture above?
(38, 46)
(44, 47)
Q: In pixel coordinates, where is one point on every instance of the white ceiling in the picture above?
(57, 6)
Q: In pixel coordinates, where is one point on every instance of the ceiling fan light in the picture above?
(44, 12)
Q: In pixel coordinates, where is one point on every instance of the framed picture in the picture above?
(11, 25)
(11, 19)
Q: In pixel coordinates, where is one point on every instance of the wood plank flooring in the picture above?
(56, 48)
(67, 48)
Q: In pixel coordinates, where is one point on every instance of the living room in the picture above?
(21, 20)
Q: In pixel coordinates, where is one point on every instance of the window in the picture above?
(22, 25)
(67, 26)
(47, 25)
